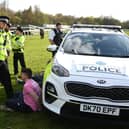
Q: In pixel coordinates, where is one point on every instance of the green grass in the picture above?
(126, 31)
(36, 58)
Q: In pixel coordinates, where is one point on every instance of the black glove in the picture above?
(5, 41)
(17, 38)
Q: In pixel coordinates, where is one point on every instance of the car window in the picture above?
(114, 45)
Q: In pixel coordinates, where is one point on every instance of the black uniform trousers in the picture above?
(5, 79)
(17, 103)
(18, 57)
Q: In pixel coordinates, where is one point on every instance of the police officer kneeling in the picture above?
(4, 72)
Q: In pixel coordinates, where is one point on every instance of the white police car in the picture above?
(89, 75)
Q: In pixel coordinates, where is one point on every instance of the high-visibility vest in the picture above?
(18, 43)
(9, 34)
(3, 52)
(8, 41)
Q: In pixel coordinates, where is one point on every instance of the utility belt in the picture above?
(2, 62)
(17, 50)
(2, 48)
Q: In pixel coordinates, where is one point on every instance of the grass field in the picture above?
(36, 58)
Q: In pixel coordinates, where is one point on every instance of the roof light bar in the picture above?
(97, 26)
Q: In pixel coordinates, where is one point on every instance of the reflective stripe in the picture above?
(47, 71)
(3, 52)
(2, 48)
(3, 19)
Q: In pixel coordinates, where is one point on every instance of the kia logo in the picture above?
(101, 81)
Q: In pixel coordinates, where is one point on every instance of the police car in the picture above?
(89, 75)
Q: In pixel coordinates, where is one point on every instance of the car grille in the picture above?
(114, 93)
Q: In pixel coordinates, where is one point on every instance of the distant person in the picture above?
(18, 50)
(56, 36)
(41, 33)
(30, 98)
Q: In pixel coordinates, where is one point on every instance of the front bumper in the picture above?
(69, 106)
(73, 110)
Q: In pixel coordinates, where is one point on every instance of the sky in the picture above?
(116, 8)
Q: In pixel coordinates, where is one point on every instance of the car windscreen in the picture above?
(98, 44)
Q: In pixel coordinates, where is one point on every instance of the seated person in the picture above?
(30, 99)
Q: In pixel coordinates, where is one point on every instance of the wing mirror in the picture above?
(52, 48)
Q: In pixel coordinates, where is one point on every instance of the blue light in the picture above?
(100, 63)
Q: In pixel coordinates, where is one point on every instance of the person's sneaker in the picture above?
(9, 109)
(19, 81)
(4, 108)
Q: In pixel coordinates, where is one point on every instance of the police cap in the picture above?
(19, 29)
(4, 19)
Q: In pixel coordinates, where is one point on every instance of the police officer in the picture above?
(4, 72)
(41, 33)
(56, 35)
(18, 49)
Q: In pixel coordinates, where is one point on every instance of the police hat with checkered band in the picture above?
(4, 19)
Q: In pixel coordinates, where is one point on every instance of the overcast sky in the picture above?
(116, 8)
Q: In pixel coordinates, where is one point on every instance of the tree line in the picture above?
(36, 17)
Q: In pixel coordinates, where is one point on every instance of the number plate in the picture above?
(98, 109)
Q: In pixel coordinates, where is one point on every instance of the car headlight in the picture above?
(60, 71)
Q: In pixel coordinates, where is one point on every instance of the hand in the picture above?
(16, 38)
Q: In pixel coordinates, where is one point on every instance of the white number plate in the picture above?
(98, 109)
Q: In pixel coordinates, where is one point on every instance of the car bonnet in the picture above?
(96, 66)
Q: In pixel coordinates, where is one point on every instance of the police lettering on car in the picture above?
(95, 68)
